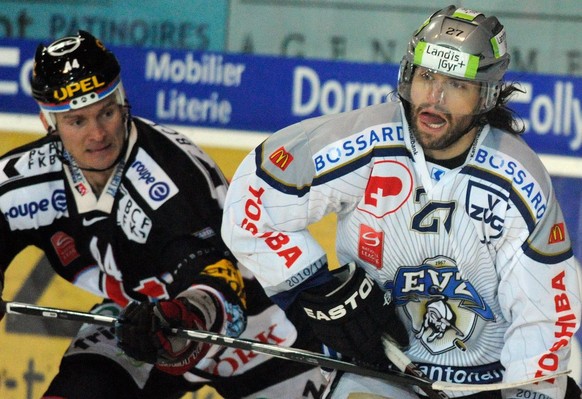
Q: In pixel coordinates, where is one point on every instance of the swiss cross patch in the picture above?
(281, 158)
(557, 233)
(388, 188)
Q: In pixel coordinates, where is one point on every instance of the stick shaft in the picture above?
(294, 354)
(54, 313)
(400, 360)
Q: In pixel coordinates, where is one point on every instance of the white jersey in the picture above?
(477, 258)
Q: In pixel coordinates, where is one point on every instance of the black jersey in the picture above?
(149, 234)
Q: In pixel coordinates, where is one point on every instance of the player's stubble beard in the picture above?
(456, 128)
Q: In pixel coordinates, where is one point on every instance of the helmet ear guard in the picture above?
(462, 44)
(74, 72)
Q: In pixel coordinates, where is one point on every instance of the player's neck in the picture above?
(97, 180)
(457, 148)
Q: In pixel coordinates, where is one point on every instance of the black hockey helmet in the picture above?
(73, 72)
(460, 43)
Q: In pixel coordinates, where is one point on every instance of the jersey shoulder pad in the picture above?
(39, 157)
(292, 156)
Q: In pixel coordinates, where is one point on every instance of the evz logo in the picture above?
(445, 309)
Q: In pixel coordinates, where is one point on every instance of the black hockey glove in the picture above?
(141, 334)
(352, 315)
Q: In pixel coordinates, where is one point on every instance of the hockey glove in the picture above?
(351, 315)
(142, 334)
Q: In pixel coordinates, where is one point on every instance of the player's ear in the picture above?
(47, 126)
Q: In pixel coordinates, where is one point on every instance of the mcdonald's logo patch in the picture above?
(557, 233)
(281, 158)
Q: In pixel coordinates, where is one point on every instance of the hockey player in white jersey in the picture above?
(441, 204)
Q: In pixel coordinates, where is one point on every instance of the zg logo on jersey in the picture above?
(488, 206)
(389, 186)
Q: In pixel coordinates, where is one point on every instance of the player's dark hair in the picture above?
(501, 116)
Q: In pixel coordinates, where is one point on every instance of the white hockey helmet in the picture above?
(462, 44)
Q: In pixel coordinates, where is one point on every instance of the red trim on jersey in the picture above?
(114, 291)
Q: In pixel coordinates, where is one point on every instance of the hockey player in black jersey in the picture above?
(131, 211)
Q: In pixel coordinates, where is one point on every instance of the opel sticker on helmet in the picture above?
(64, 46)
(90, 83)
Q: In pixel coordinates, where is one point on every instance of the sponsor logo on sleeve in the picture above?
(557, 233)
(41, 159)
(565, 326)
(29, 209)
(276, 241)
(354, 146)
(281, 158)
(523, 182)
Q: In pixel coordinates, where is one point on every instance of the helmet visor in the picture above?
(451, 95)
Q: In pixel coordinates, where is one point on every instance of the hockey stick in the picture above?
(404, 364)
(294, 354)
(298, 355)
